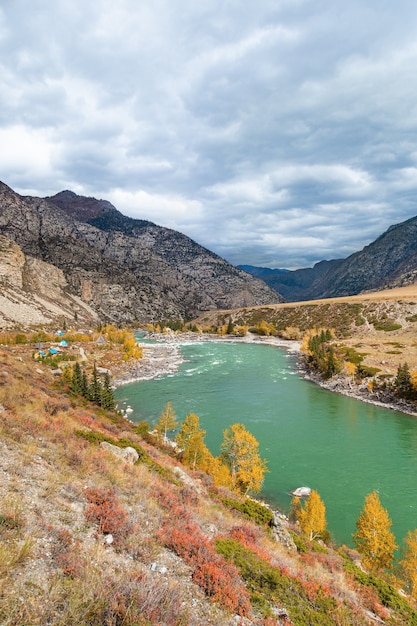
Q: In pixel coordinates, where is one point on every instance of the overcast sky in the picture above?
(273, 132)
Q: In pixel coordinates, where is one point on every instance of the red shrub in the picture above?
(67, 553)
(219, 579)
(247, 537)
(105, 510)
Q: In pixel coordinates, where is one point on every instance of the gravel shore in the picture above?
(164, 357)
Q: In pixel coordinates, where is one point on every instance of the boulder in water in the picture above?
(301, 492)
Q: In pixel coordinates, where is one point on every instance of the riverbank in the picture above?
(163, 358)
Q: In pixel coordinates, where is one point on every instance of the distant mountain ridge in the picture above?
(261, 271)
(391, 260)
(126, 270)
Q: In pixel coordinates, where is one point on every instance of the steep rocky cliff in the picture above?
(33, 292)
(382, 263)
(127, 270)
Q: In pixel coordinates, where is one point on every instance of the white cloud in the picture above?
(276, 132)
(167, 211)
(25, 150)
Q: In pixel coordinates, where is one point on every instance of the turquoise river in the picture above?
(343, 448)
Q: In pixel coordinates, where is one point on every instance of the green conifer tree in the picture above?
(95, 387)
(402, 382)
(76, 381)
(107, 395)
(84, 385)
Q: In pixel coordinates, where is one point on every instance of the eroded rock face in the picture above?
(34, 292)
(127, 270)
(12, 261)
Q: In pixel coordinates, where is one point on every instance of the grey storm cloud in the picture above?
(275, 133)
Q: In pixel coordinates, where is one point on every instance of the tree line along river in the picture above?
(342, 447)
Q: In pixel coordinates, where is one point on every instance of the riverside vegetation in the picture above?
(371, 351)
(88, 538)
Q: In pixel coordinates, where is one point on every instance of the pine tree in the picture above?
(240, 452)
(107, 395)
(76, 381)
(94, 389)
(373, 538)
(84, 384)
(312, 517)
(402, 381)
(166, 422)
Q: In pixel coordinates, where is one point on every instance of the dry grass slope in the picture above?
(86, 539)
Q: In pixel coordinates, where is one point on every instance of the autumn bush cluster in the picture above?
(105, 510)
(307, 601)
(218, 579)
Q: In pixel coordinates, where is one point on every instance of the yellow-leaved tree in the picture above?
(409, 563)
(190, 440)
(220, 472)
(373, 538)
(312, 516)
(240, 453)
(166, 422)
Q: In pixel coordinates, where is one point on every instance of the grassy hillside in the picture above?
(89, 538)
(382, 326)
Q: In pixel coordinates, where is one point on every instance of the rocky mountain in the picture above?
(391, 260)
(260, 272)
(295, 285)
(33, 292)
(126, 270)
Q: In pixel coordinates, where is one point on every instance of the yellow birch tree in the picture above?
(295, 509)
(190, 440)
(373, 538)
(409, 563)
(166, 422)
(240, 453)
(312, 516)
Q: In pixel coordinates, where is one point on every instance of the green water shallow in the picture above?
(342, 447)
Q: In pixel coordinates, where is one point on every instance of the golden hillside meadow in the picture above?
(102, 523)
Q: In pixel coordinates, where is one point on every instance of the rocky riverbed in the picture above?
(164, 357)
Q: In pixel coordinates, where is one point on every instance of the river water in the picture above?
(309, 436)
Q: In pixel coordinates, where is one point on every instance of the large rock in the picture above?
(127, 455)
(280, 532)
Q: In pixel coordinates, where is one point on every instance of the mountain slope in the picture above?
(391, 260)
(34, 292)
(377, 265)
(127, 270)
(292, 285)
